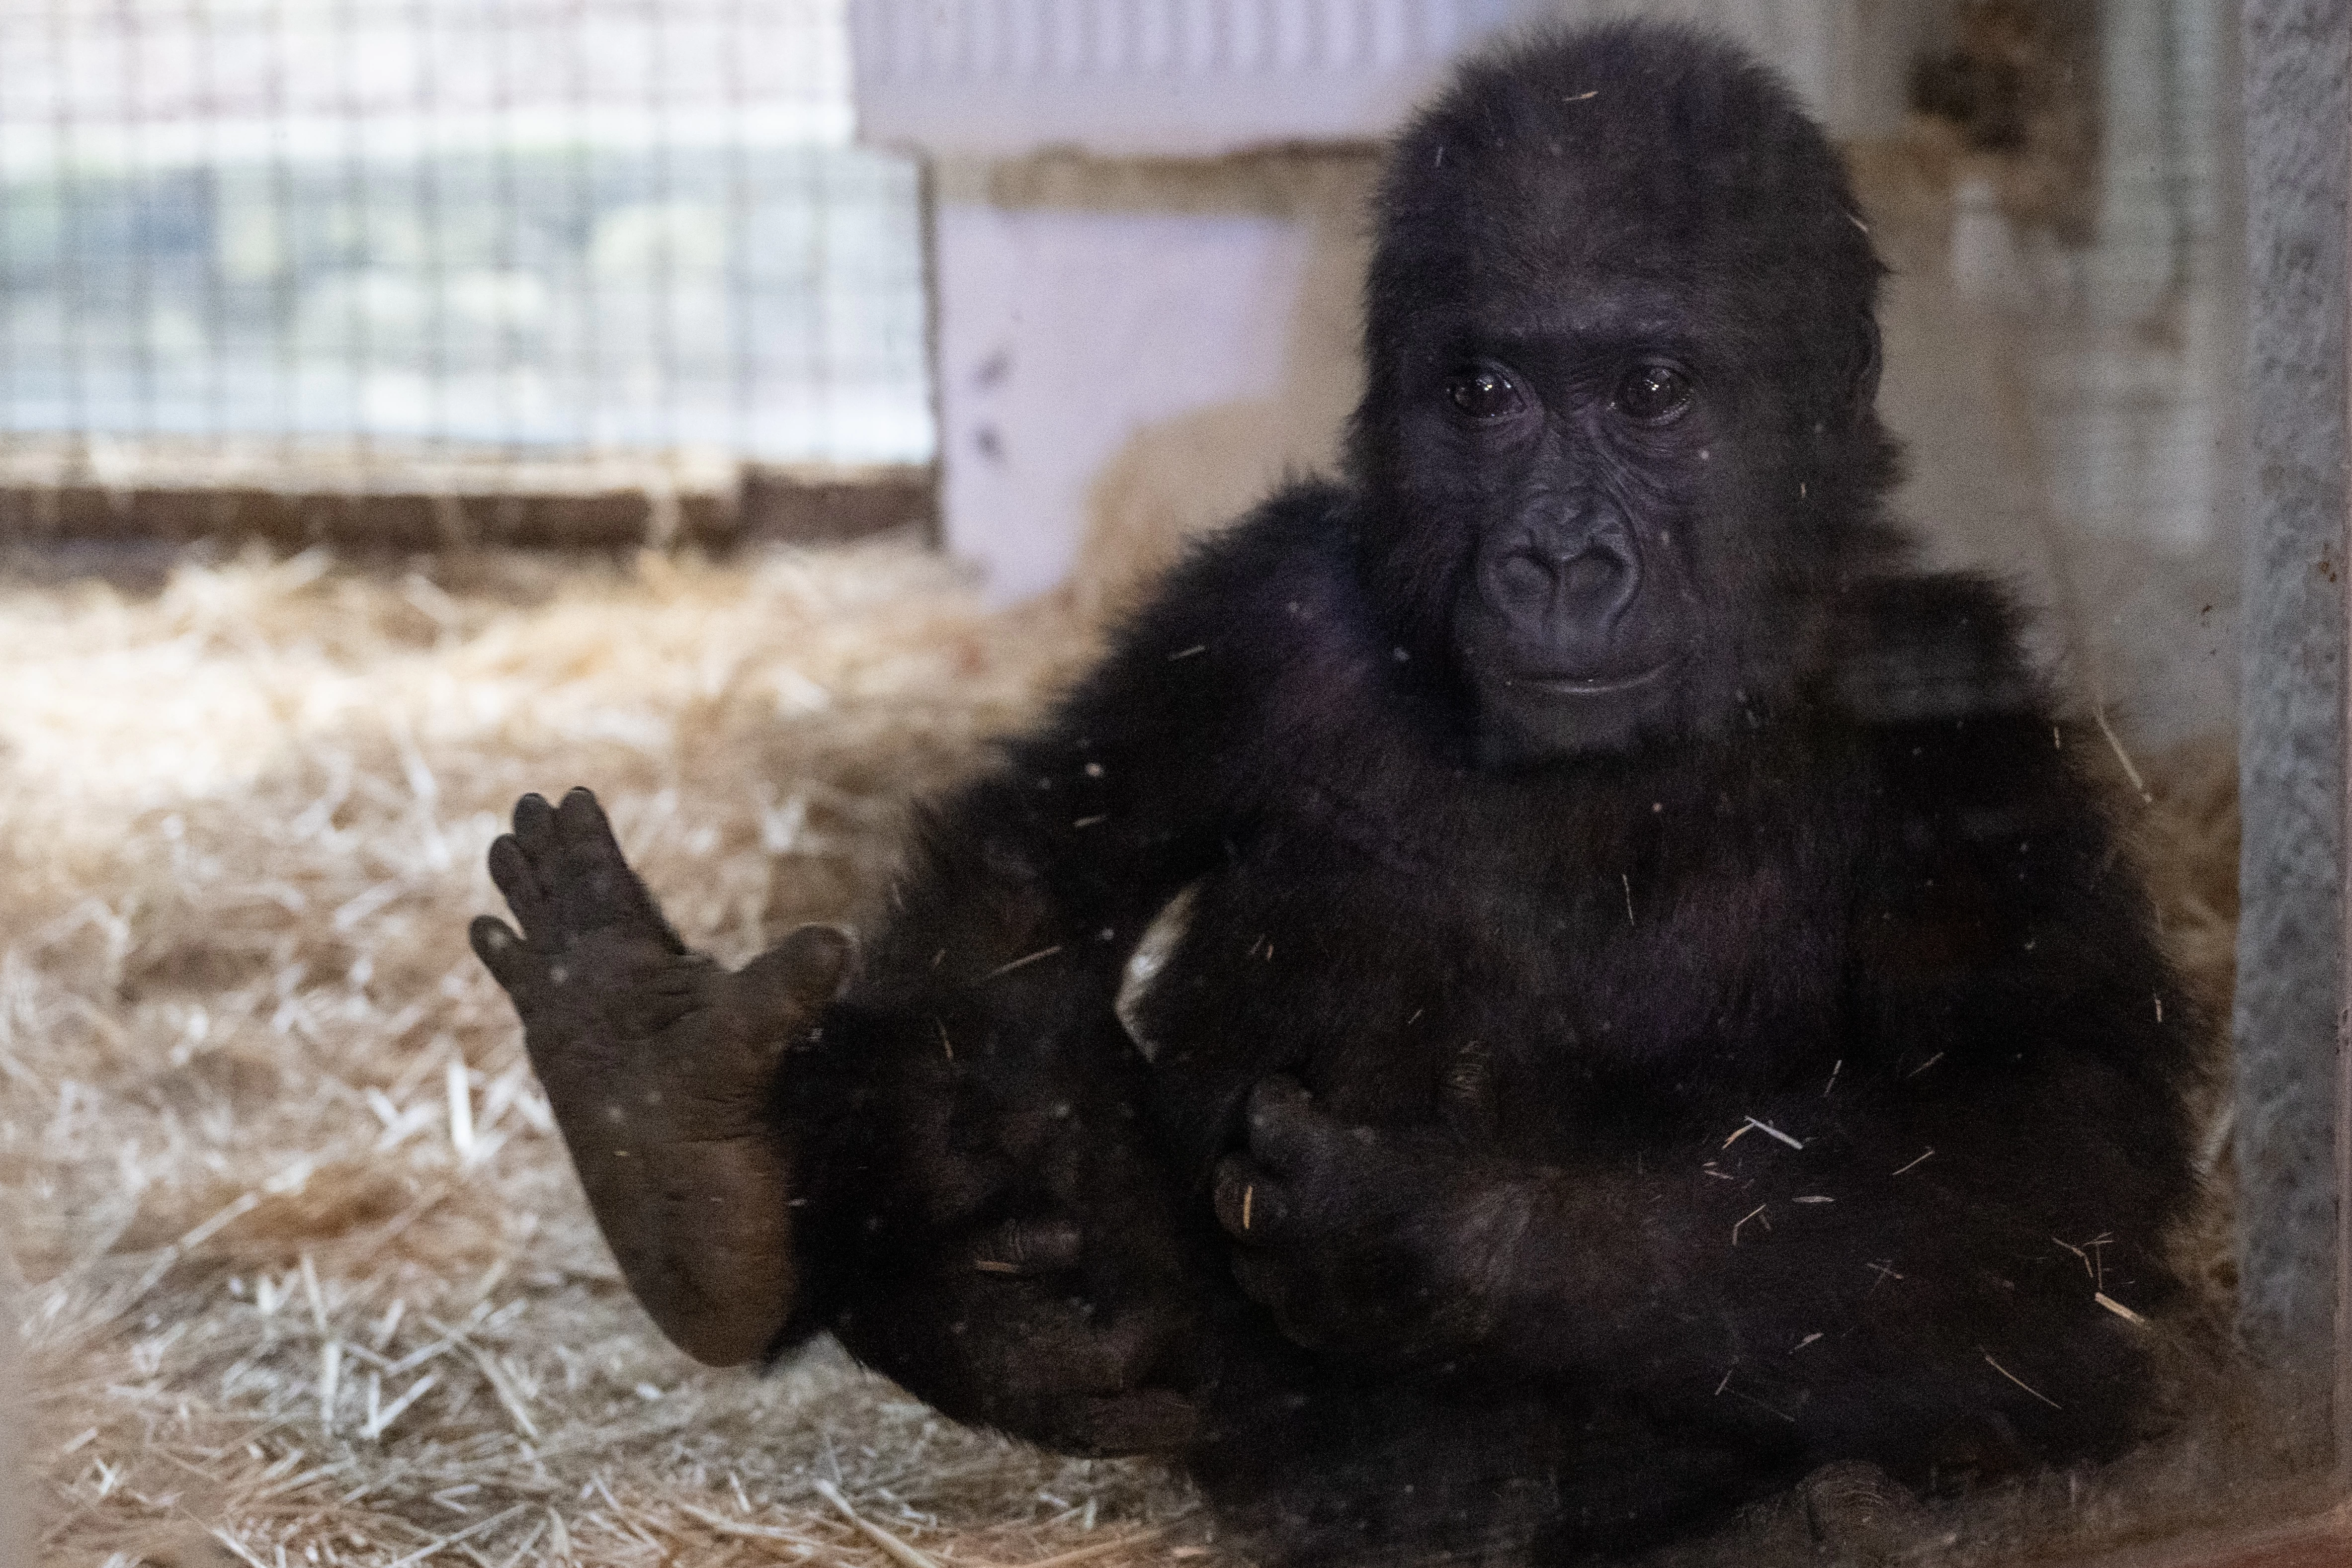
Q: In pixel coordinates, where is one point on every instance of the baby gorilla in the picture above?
(1648, 1008)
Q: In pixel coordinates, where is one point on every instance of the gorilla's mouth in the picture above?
(1601, 685)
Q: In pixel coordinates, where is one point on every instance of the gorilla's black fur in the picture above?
(1654, 1008)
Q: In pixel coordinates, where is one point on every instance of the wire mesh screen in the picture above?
(389, 228)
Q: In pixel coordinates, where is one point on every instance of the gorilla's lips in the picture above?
(1541, 712)
(1599, 685)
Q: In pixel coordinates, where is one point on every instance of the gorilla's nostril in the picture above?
(1590, 575)
(1588, 585)
(1526, 573)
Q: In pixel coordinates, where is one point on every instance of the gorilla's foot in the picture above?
(662, 1071)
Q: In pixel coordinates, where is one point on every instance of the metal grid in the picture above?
(387, 228)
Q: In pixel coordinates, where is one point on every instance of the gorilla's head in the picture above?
(1618, 436)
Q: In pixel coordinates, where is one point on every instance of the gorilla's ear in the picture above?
(1862, 381)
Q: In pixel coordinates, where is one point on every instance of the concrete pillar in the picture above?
(2291, 939)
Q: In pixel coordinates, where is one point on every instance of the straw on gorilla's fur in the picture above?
(266, 1133)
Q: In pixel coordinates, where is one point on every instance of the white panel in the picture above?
(1000, 77)
(1062, 334)
(1200, 78)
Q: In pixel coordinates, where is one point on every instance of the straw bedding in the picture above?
(304, 1276)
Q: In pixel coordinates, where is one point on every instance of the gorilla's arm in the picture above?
(989, 1218)
(948, 1163)
(1990, 1147)
(660, 1068)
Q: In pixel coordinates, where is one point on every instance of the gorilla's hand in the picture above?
(661, 1069)
(1014, 1336)
(1368, 1241)
(1012, 1253)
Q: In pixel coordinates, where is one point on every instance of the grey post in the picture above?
(2292, 939)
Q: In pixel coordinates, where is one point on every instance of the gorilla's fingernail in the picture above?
(1247, 1194)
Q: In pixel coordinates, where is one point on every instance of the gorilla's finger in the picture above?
(1074, 1349)
(1028, 1246)
(534, 822)
(1147, 1421)
(517, 882)
(591, 884)
(1286, 1130)
(785, 987)
(1466, 1097)
(593, 869)
(510, 962)
(1118, 1357)
(1251, 1204)
(581, 815)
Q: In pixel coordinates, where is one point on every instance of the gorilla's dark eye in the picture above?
(1653, 393)
(1484, 393)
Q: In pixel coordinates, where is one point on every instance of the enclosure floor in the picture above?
(305, 1274)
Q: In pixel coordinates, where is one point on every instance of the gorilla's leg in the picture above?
(1338, 1468)
(1332, 1467)
(663, 1071)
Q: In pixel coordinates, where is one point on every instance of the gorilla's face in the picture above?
(1590, 463)
(1616, 447)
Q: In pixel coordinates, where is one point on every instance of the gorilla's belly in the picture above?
(1406, 997)
(1340, 981)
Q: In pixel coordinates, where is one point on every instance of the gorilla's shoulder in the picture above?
(1928, 648)
(1239, 595)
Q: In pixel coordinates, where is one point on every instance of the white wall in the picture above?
(1129, 353)
(1062, 334)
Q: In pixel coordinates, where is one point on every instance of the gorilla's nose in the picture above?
(1586, 586)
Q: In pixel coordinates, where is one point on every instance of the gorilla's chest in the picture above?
(1506, 968)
